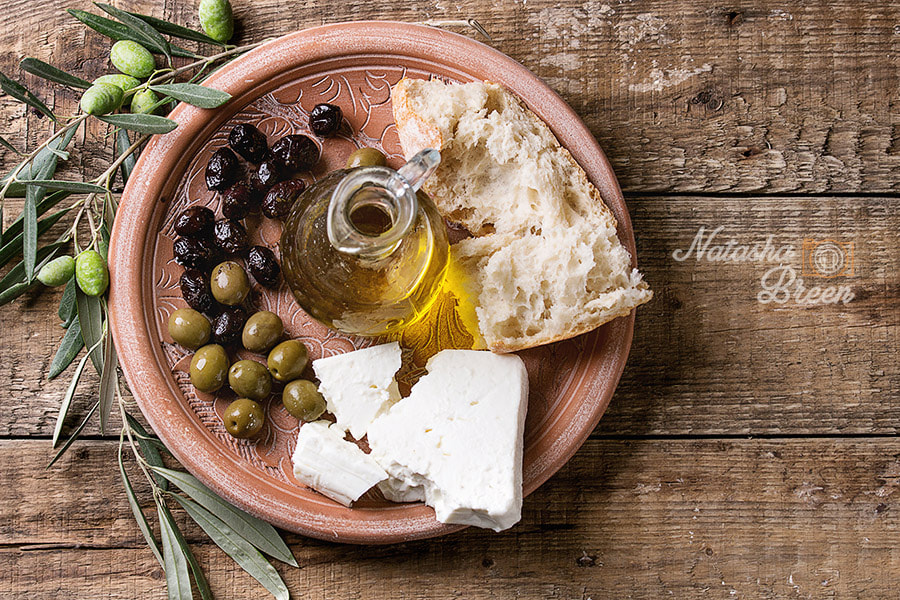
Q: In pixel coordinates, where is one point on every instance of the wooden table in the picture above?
(751, 449)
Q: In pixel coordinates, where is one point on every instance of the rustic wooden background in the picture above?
(751, 450)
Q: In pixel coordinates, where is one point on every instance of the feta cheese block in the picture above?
(331, 465)
(359, 386)
(457, 439)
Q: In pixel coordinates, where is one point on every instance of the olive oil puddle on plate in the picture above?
(450, 323)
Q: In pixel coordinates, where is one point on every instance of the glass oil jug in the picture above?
(364, 251)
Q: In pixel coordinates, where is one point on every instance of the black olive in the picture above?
(258, 191)
(230, 236)
(195, 290)
(325, 119)
(228, 325)
(281, 198)
(270, 172)
(249, 142)
(263, 266)
(196, 253)
(237, 201)
(296, 152)
(222, 169)
(195, 221)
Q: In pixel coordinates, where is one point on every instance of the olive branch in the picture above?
(85, 316)
(83, 309)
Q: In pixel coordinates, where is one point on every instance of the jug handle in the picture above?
(420, 167)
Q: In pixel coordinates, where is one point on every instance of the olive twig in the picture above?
(104, 178)
(93, 227)
(134, 449)
(460, 23)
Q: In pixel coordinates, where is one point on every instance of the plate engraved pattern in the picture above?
(364, 96)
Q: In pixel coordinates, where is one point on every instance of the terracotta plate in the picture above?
(352, 65)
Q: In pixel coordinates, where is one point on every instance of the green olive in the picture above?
(209, 368)
(91, 272)
(287, 360)
(243, 418)
(101, 99)
(126, 82)
(57, 272)
(216, 19)
(132, 59)
(302, 399)
(250, 378)
(229, 283)
(189, 328)
(262, 331)
(366, 157)
(144, 102)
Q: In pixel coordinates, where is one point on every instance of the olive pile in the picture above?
(214, 281)
(216, 286)
(250, 380)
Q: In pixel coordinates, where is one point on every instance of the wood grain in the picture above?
(684, 96)
(624, 519)
(708, 358)
(694, 103)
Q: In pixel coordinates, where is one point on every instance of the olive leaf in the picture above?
(150, 38)
(21, 93)
(59, 153)
(42, 166)
(17, 244)
(176, 30)
(139, 516)
(67, 399)
(199, 577)
(256, 531)
(68, 186)
(51, 73)
(196, 95)
(29, 233)
(244, 554)
(14, 291)
(107, 381)
(90, 315)
(15, 228)
(7, 145)
(175, 563)
(74, 436)
(69, 347)
(118, 31)
(123, 143)
(103, 245)
(67, 310)
(148, 449)
(141, 123)
(14, 246)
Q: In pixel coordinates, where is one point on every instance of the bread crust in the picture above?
(413, 130)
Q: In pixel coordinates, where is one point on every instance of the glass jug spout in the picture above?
(373, 208)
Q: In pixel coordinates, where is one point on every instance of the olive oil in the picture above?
(381, 265)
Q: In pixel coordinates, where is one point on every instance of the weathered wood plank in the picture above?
(708, 358)
(764, 96)
(624, 519)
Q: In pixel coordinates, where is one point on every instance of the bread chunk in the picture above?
(544, 263)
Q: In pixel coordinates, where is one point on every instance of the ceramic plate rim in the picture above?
(129, 321)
